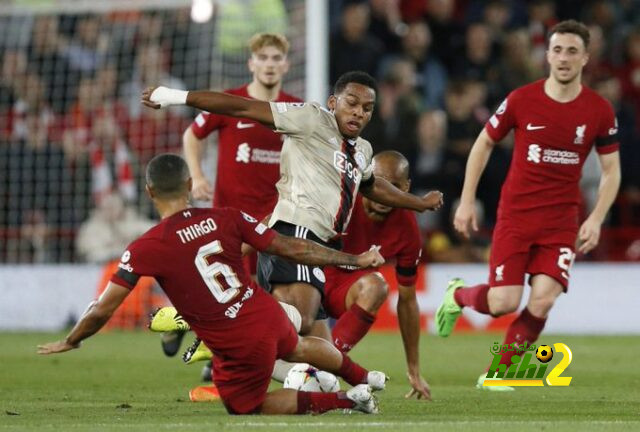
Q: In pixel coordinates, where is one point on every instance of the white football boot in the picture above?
(364, 399)
(377, 380)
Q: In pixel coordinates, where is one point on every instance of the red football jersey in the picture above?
(248, 159)
(552, 141)
(398, 237)
(195, 257)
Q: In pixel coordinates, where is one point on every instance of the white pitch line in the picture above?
(330, 424)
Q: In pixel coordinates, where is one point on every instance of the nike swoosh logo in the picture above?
(245, 125)
(532, 127)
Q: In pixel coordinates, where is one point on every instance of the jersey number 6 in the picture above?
(210, 270)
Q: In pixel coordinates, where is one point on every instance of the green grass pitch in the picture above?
(122, 382)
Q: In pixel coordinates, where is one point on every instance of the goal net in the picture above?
(73, 136)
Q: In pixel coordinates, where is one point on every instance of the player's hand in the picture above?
(201, 189)
(465, 216)
(160, 97)
(146, 98)
(56, 347)
(419, 387)
(589, 235)
(432, 200)
(371, 258)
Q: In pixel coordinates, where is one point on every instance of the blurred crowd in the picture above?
(443, 66)
(74, 139)
(72, 131)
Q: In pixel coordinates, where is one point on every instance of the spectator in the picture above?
(516, 67)
(151, 69)
(479, 62)
(110, 228)
(87, 51)
(629, 71)
(427, 169)
(432, 76)
(45, 58)
(542, 16)
(387, 24)
(393, 125)
(352, 48)
(447, 33)
(599, 66)
(627, 210)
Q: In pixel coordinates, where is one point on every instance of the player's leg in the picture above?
(320, 328)
(305, 297)
(549, 266)
(528, 325)
(503, 293)
(286, 343)
(362, 301)
(299, 285)
(288, 401)
(544, 292)
(324, 356)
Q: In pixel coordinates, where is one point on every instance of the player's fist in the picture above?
(371, 258)
(432, 200)
(201, 189)
(464, 218)
(160, 97)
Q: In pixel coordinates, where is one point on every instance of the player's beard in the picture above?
(567, 81)
(269, 84)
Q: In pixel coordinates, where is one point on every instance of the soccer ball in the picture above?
(304, 377)
(544, 353)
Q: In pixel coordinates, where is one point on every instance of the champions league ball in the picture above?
(544, 353)
(304, 377)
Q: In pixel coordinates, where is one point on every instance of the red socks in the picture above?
(351, 327)
(317, 403)
(525, 328)
(474, 297)
(352, 372)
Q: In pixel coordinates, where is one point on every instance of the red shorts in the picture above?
(337, 286)
(243, 377)
(515, 252)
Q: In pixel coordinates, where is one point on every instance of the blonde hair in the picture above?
(261, 40)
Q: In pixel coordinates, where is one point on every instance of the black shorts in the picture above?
(275, 270)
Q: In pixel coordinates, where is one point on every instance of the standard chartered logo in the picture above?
(247, 154)
(534, 153)
(560, 157)
(244, 153)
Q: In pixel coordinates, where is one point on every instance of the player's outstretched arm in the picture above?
(589, 234)
(96, 315)
(385, 193)
(213, 102)
(409, 320)
(465, 215)
(311, 253)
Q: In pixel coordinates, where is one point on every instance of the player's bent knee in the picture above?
(373, 292)
(503, 305)
(301, 352)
